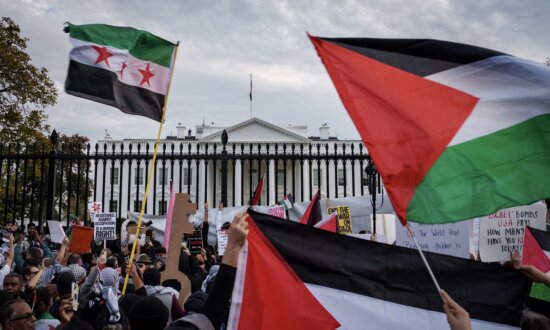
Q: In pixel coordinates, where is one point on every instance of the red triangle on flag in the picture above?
(533, 254)
(273, 295)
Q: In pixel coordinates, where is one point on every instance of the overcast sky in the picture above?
(222, 42)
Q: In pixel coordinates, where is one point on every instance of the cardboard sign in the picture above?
(277, 211)
(222, 241)
(194, 242)
(57, 234)
(105, 226)
(81, 239)
(344, 218)
(501, 233)
(451, 238)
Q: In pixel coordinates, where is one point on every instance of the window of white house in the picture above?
(254, 182)
(280, 178)
(341, 177)
(163, 177)
(163, 206)
(137, 206)
(316, 178)
(113, 205)
(114, 175)
(138, 176)
(187, 176)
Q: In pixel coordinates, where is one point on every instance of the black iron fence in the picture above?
(58, 181)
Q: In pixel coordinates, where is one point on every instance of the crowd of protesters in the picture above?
(39, 278)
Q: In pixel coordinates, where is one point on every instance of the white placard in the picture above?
(105, 226)
(450, 238)
(57, 234)
(94, 207)
(277, 211)
(501, 233)
(386, 224)
(222, 241)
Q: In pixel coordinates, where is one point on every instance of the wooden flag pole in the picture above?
(151, 170)
(425, 262)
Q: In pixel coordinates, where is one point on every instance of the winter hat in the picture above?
(149, 313)
(78, 271)
(195, 302)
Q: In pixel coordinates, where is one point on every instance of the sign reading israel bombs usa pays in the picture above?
(502, 232)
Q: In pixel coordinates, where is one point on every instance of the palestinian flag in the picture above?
(456, 131)
(292, 276)
(536, 252)
(313, 214)
(122, 67)
(257, 192)
(287, 202)
(330, 223)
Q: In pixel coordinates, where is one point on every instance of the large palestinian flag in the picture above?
(456, 131)
(119, 66)
(293, 276)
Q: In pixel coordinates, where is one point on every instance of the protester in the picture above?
(458, 317)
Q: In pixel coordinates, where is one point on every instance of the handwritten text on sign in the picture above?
(502, 232)
(450, 239)
(105, 226)
(344, 218)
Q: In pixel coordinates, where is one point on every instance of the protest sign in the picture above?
(81, 239)
(57, 234)
(344, 218)
(277, 211)
(450, 238)
(385, 224)
(105, 226)
(194, 242)
(222, 241)
(501, 233)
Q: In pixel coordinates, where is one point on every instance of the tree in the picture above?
(25, 90)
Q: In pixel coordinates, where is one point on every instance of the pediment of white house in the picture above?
(257, 131)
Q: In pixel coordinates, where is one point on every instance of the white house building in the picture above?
(292, 162)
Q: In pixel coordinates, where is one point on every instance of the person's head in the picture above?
(43, 301)
(160, 252)
(11, 226)
(195, 302)
(17, 315)
(150, 233)
(65, 284)
(534, 321)
(74, 258)
(32, 262)
(110, 277)
(145, 260)
(79, 273)
(35, 253)
(151, 276)
(148, 313)
(112, 262)
(172, 283)
(12, 284)
(29, 272)
(31, 230)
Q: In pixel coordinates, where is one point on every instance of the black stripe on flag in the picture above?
(542, 237)
(102, 86)
(488, 292)
(421, 57)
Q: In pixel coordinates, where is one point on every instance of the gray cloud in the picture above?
(222, 42)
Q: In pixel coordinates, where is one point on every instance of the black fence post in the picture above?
(224, 169)
(51, 179)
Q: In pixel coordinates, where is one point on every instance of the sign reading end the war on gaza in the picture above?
(501, 233)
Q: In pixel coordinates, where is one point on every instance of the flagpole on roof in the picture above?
(152, 168)
(250, 95)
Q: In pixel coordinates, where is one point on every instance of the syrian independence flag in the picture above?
(313, 213)
(292, 276)
(330, 223)
(122, 67)
(456, 131)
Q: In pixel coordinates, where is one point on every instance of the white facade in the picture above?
(253, 135)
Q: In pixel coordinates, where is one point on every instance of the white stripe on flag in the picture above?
(238, 290)
(85, 54)
(354, 311)
(511, 90)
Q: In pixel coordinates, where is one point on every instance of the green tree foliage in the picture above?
(25, 90)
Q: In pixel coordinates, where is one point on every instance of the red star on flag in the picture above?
(96, 207)
(103, 55)
(122, 70)
(146, 75)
